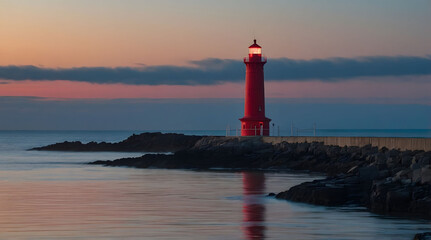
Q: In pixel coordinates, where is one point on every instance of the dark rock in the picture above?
(398, 201)
(386, 181)
(417, 175)
(424, 161)
(406, 160)
(145, 142)
(404, 173)
(423, 236)
(368, 173)
(380, 158)
(393, 162)
(383, 174)
(415, 166)
(426, 175)
(329, 192)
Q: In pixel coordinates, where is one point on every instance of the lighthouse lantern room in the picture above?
(254, 122)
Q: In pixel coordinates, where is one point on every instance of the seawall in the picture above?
(380, 142)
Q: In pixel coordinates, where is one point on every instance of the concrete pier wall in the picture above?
(388, 142)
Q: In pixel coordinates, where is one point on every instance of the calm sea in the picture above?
(55, 195)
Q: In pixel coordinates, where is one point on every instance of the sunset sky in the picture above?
(156, 56)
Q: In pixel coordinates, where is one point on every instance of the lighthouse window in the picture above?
(260, 108)
(255, 51)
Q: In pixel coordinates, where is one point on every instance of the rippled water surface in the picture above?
(55, 195)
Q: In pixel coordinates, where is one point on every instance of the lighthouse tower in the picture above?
(254, 122)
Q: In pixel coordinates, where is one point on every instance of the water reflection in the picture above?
(253, 206)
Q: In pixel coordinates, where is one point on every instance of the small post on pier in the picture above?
(314, 129)
(273, 129)
(291, 129)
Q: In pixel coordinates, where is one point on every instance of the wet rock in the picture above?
(405, 173)
(145, 142)
(398, 200)
(368, 173)
(426, 175)
(423, 236)
(393, 153)
(417, 175)
(415, 166)
(302, 148)
(392, 162)
(406, 160)
(380, 158)
(354, 169)
(424, 161)
(383, 174)
(316, 193)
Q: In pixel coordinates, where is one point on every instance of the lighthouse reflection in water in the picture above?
(253, 206)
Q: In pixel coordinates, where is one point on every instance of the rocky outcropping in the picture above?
(386, 181)
(145, 142)
(249, 153)
(207, 153)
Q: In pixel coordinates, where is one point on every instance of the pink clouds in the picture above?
(401, 91)
(67, 89)
(356, 89)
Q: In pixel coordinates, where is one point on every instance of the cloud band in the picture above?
(216, 71)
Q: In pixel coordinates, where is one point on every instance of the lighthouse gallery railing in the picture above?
(262, 59)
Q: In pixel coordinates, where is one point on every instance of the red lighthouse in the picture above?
(254, 122)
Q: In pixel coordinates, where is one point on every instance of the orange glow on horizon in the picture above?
(358, 89)
(76, 90)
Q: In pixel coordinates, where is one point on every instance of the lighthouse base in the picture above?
(254, 127)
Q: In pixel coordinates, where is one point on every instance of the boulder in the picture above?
(423, 236)
(323, 192)
(406, 160)
(398, 201)
(405, 173)
(392, 162)
(353, 169)
(368, 173)
(380, 158)
(417, 175)
(302, 148)
(424, 160)
(426, 175)
(415, 166)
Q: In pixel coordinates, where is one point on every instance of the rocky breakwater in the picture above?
(206, 153)
(251, 153)
(385, 181)
(145, 142)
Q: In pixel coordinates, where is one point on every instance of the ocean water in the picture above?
(56, 195)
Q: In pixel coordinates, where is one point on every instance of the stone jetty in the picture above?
(386, 181)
